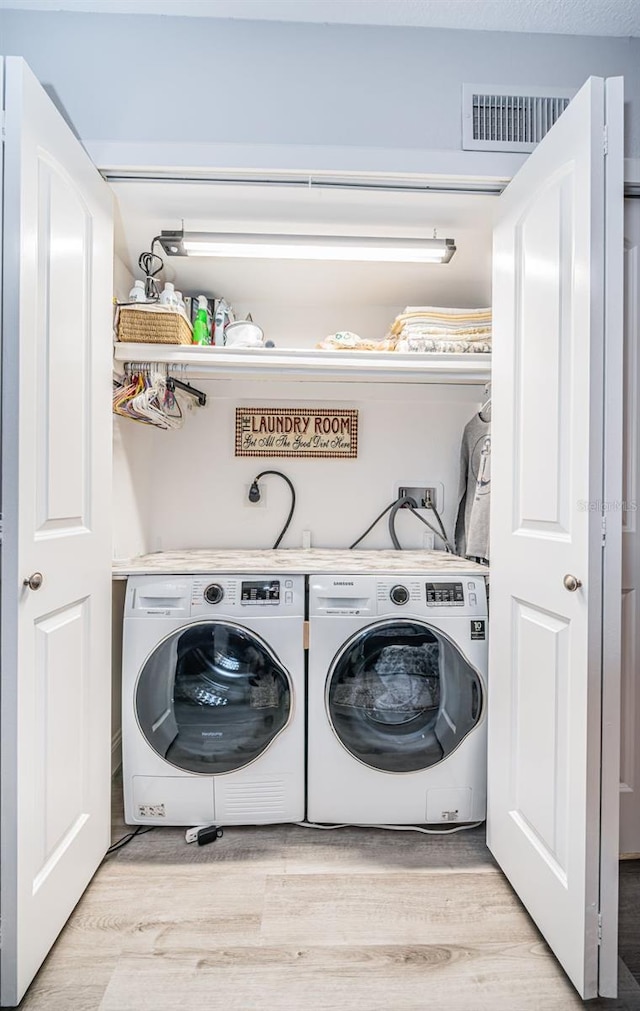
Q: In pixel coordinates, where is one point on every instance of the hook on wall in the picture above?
(201, 397)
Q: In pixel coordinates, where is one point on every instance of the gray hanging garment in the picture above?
(474, 490)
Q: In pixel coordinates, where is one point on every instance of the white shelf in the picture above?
(298, 365)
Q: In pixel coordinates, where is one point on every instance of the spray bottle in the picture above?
(220, 320)
(201, 333)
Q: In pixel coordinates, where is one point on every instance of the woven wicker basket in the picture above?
(153, 326)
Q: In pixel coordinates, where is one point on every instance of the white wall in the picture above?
(136, 87)
(194, 494)
(131, 462)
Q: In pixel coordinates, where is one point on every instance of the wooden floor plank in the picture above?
(418, 908)
(489, 977)
(64, 997)
(139, 905)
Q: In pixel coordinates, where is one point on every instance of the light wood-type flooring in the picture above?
(292, 919)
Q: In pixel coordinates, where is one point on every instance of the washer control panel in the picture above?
(405, 594)
(444, 593)
(456, 595)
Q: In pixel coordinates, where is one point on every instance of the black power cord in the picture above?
(435, 512)
(254, 496)
(411, 504)
(126, 839)
(151, 264)
(407, 502)
(403, 501)
(443, 536)
(370, 528)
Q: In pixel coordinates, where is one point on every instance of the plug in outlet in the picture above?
(262, 501)
(423, 495)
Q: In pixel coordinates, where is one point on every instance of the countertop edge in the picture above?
(309, 561)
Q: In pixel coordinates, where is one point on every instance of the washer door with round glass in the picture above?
(401, 697)
(212, 697)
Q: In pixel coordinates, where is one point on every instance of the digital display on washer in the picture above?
(445, 593)
(260, 592)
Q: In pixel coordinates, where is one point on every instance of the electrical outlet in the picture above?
(151, 811)
(423, 494)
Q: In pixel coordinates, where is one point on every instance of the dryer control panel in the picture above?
(261, 591)
(250, 594)
(208, 595)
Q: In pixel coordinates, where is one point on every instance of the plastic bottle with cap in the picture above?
(168, 296)
(137, 293)
(201, 334)
(221, 319)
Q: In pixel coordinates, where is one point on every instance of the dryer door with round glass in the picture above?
(401, 696)
(212, 697)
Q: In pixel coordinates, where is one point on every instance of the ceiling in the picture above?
(564, 17)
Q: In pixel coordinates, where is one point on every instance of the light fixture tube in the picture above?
(308, 247)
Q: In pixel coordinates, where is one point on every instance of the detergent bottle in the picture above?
(137, 293)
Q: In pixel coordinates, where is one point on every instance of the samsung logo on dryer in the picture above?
(341, 582)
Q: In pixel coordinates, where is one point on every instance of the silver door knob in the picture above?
(572, 583)
(35, 581)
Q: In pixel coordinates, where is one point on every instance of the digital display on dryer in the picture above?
(260, 592)
(445, 593)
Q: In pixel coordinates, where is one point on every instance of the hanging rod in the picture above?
(492, 187)
(131, 368)
(487, 187)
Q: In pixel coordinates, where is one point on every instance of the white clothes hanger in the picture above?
(487, 403)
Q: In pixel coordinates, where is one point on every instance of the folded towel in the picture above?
(347, 341)
(429, 345)
(437, 329)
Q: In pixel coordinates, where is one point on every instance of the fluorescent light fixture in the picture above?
(308, 247)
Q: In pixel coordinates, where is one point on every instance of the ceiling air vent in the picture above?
(504, 118)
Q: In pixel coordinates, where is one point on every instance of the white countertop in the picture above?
(296, 561)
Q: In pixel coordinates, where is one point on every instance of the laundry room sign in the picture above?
(297, 431)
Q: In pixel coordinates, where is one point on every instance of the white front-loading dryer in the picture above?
(397, 699)
(213, 699)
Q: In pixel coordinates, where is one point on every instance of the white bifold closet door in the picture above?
(554, 663)
(56, 500)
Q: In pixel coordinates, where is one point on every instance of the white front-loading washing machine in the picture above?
(397, 699)
(213, 708)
